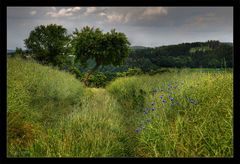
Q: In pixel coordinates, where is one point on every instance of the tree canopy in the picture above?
(48, 44)
(104, 48)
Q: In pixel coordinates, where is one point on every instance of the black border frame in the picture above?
(200, 3)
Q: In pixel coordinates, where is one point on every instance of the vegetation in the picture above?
(104, 49)
(147, 104)
(49, 44)
(51, 114)
(178, 114)
(210, 54)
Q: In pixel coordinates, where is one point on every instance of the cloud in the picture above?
(133, 15)
(115, 17)
(102, 14)
(75, 9)
(34, 12)
(90, 10)
(155, 11)
(62, 12)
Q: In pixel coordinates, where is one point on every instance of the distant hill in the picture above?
(138, 47)
(10, 51)
(229, 43)
(209, 54)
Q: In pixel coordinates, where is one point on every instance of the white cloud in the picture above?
(34, 12)
(75, 9)
(63, 12)
(102, 14)
(90, 10)
(129, 14)
(115, 17)
(155, 11)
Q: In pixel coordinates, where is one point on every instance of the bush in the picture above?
(97, 79)
(134, 71)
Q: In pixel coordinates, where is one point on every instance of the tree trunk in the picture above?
(86, 82)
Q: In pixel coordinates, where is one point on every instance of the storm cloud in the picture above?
(145, 26)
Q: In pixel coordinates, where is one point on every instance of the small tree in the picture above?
(104, 48)
(19, 51)
(48, 44)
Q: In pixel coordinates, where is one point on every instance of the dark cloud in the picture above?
(147, 26)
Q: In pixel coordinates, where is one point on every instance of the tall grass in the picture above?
(176, 114)
(51, 114)
(184, 115)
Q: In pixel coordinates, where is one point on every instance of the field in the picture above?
(184, 113)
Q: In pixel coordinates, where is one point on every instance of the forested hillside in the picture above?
(210, 54)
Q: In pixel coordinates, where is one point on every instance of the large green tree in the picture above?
(48, 44)
(104, 48)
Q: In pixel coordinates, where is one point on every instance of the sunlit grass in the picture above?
(51, 114)
(195, 121)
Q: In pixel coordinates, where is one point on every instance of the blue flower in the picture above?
(145, 112)
(137, 130)
(153, 103)
(164, 101)
(171, 98)
(147, 109)
(153, 109)
(161, 96)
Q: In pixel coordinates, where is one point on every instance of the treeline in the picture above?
(210, 54)
(96, 57)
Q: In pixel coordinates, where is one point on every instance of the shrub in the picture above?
(98, 79)
(134, 71)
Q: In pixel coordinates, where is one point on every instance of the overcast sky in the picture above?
(144, 26)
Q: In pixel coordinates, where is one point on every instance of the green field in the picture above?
(184, 113)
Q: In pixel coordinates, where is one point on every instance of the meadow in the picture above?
(183, 113)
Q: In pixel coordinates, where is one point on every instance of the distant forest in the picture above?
(210, 54)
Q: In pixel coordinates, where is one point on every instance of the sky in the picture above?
(144, 26)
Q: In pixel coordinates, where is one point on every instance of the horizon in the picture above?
(143, 45)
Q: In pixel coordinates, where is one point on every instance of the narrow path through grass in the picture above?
(103, 100)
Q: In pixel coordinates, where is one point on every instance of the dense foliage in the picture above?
(210, 54)
(104, 48)
(49, 44)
